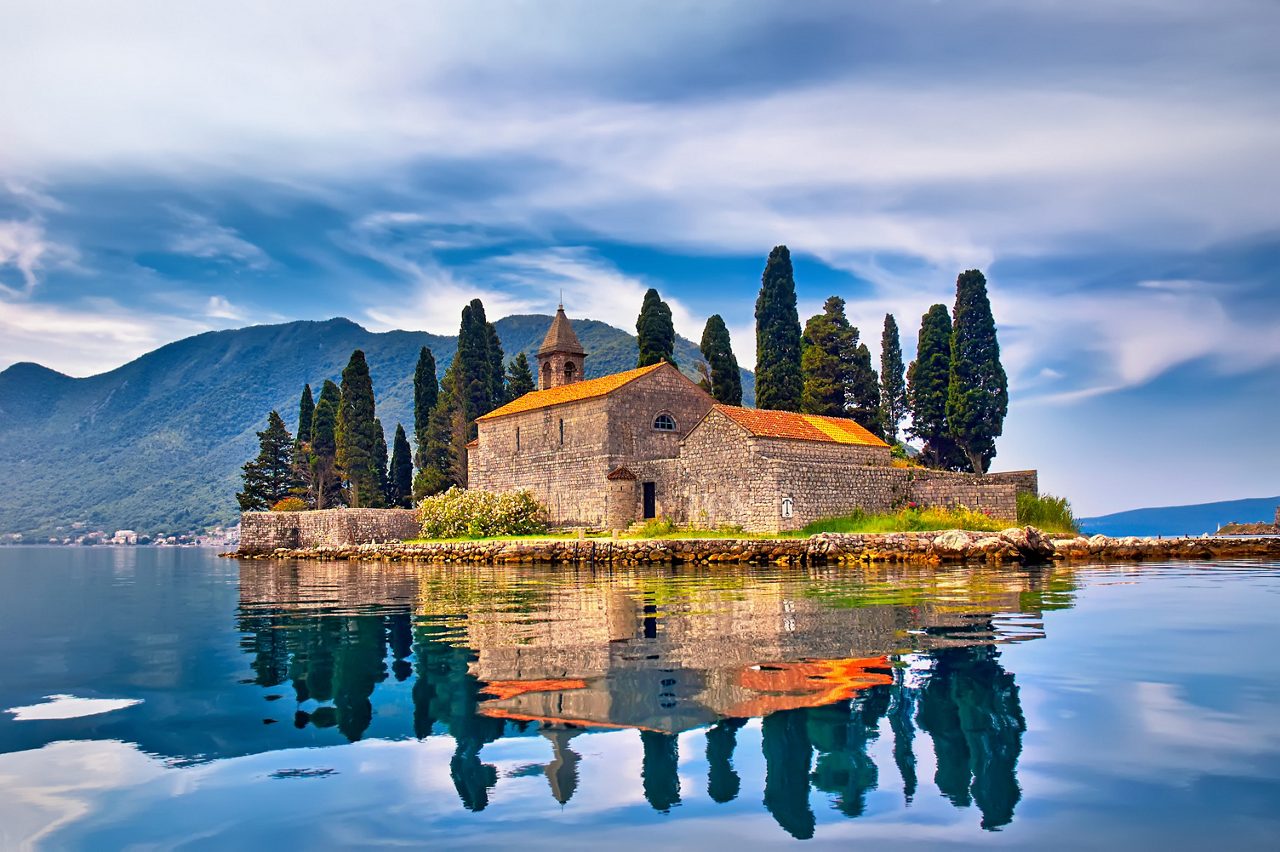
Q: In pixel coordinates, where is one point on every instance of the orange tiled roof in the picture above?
(571, 392)
(801, 427)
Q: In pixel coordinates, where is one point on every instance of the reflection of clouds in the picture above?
(49, 788)
(1214, 738)
(70, 707)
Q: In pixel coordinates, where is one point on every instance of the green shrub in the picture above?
(1049, 513)
(470, 513)
(290, 504)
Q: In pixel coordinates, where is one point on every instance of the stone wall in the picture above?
(261, 532)
(997, 499)
(725, 480)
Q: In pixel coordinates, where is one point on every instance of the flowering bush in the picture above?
(468, 513)
(290, 504)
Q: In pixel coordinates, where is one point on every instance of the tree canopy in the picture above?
(725, 377)
(425, 392)
(357, 436)
(826, 358)
(269, 478)
(927, 383)
(519, 377)
(655, 333)
(778, 374)
(400, 492)
(893, 387)
(978, 390)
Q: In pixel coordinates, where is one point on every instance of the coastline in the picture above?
(1014, 545)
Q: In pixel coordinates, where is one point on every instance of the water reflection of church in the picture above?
(493, 656)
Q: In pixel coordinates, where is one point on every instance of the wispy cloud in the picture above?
(27, 249)
(199, 236)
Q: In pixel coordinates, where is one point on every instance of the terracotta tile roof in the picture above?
(800, 427)
(620, 474)
(473, 443)
(570, 393)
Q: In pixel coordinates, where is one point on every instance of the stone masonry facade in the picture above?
(609, 452)
(261, 532)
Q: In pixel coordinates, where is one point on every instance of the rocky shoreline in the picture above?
(1015, 545)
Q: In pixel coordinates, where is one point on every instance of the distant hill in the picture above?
(1182, 520)
(156, 445)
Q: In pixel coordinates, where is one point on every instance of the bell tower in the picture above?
(561, 356)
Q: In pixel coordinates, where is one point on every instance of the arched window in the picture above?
(664, 423)
(546, 376)
(568, 371)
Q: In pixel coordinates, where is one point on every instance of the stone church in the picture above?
(649, 442)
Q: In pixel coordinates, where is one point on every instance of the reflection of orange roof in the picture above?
(502, 689)
(802, 427)
(570, 392)
(810, 683)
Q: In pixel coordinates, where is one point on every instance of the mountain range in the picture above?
(1183, 520)
(157, 444)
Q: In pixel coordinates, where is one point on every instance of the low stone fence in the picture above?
(1025, 544)
(264, 532)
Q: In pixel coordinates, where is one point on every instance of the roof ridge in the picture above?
(573, 392)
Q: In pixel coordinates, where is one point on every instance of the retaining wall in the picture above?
(262, 532)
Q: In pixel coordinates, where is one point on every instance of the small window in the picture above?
(562, 433)
(568, 371)
(517, 439)
(664, 423)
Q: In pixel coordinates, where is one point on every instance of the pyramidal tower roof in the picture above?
(560, 337)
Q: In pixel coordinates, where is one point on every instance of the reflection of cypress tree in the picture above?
(841, 733)
(970, 708)
(446, 691)
(400, 638)
(360, 667)
(269, 645)
(900, 720)
(723, 782)
(786, 782)
(660, 770)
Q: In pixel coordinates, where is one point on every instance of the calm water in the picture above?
(198, 702)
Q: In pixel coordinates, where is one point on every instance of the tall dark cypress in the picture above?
(519, 377)
(326, 477)
(827, 350)
(306, 410)
(269, 477)
(425, 392)
(717, 349)
(440, 468)
(380, 460)
(655, 333)
(778, 336)
(927, 383)
(893, 387)
(864, 391)
(497, 366)
(978, 391)
(401, 473)
(357, 435)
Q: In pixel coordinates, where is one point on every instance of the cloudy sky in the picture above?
(1111, 165)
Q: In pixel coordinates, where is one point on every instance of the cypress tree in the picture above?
(827, 350)
(268, 478)
(380, 461)
(439, 468)
(306, 410)
(497, 369)
(357, 435)
(326, 478)
(717, 349)
(864, 390)
(401, 473)
(978, 391)
(778, 376)
(927, 382)
(519, 377)
(425, 392)
(893, 387)
(655, 334)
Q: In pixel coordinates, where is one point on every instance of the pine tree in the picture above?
(519, 377)
(269, 478)
(778, 376)
(357, 436)
(439, 468)
(864, 391)
(306, 410)
(927, 382)
(827, 350)
(893, 388)
(717, 348)
(380, 461)
(425, 392)
(655, 334)
(326, 477)
(401, 474)
(978, 391)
